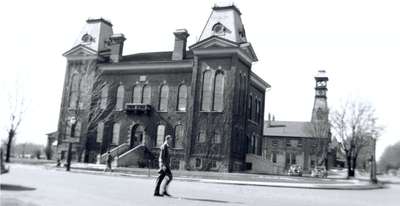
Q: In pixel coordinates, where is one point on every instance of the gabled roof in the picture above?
(81, 51)
(287, 129)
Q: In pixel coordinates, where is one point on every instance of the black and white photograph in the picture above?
(213, 102)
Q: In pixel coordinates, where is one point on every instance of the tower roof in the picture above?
(94, 34)
(321, 75)
(225, 22)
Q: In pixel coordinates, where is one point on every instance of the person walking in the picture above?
(109, 162)
(164, 171)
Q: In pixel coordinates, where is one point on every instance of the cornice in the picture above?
(161, 66)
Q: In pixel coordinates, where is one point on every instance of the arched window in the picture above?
(179, 135)
(137, 94)
(182, 97)
(74, 89)
(250, 107)
(218, 92)
(76, 129)
(206, 93)
(104, 97)
(116, 130)
(163, 103)
(243, 93)
(160, 135)
(238, 93)
(120, 98)
(68, 130)
(146, 94)
(100, 130)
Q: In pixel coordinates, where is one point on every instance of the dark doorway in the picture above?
(137, 135)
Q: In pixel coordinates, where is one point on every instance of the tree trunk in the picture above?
(11, 135)
(349, 166)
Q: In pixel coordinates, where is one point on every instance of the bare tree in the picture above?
(89, 106)
(16, 110)
(354, 124)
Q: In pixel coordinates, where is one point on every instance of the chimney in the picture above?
(116, 45)
(179, 52)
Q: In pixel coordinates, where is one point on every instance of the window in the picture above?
(290, 159)
(300, 144)
(250, 106)
(182, 98)
(274, 157)
(120, 98)
(198, 162)
(293, 158)
(179, 135)
(163, 103)
(213, 164)
(104, 97)
(137, 94)
(275, 142)
(239, 93)
(218, 92)
(288, 143)
(216, 138)
(146, 94)
(74, 87)
(258, 110)
(202, 137)
(100, 129)
(206, 91)
(116, 130)
(243, 92)
(68, 130)
(160, 135)
(77, 129)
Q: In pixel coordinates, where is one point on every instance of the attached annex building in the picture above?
(206, 97)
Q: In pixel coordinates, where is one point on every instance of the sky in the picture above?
(356, 41)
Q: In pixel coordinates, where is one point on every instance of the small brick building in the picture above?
(306, 144)
(206, 97)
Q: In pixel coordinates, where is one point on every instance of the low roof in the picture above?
(287, 129)
(153, 56)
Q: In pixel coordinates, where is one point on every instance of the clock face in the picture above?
(320, 92)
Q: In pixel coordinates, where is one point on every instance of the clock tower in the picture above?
(320, 109)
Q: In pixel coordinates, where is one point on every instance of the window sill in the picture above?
(211, 112)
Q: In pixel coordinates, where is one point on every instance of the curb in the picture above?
(350, 186)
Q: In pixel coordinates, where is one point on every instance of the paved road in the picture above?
(35, 185)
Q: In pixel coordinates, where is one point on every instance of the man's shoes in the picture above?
(167, 194)
(157, 195)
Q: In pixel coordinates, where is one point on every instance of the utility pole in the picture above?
(373, 178)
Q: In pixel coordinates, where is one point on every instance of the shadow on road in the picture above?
(208, 200)
(15, 187)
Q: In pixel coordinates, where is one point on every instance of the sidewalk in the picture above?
(232, 178)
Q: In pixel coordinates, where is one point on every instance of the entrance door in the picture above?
(137, 135)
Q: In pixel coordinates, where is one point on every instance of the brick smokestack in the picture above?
(179, 52)
(116, 44)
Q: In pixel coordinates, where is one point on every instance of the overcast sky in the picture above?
(356, 42)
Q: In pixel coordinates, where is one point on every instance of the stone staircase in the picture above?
(115, 152)
(139, 156)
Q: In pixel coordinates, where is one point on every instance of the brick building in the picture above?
(302, 143)
(206, 97)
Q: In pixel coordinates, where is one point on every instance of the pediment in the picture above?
(80, 51)
(248, 49)
(214, 42)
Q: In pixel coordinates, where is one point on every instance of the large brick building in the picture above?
(206, 97)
